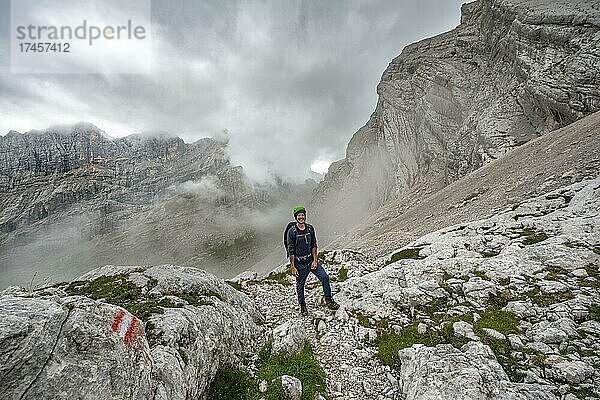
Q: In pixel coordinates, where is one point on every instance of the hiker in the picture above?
(301, 246)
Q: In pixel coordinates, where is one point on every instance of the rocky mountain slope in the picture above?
(553, 160)
(74, 196)
(507, 307)
(510, 72)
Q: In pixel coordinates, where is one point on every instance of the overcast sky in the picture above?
(291, 81)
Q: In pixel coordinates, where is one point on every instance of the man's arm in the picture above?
(314, 250)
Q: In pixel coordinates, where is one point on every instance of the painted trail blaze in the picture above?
(126, 326)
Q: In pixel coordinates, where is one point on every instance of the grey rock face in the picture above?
(288, 337)
(444, 372)
(573, 372)
(64, 347)
(511, 71)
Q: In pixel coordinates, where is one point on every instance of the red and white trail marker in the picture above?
(126, 326)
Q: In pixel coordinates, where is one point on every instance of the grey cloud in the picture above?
(284, 78)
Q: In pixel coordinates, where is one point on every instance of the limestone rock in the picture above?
(511, 71)
(553, 332)
(464, 329)
(288, 337)
(61, 346)
(573, 372)
(292, 387)
(444, 372)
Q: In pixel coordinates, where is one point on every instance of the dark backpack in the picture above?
(285, 232)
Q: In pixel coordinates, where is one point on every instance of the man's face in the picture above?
(301, 217)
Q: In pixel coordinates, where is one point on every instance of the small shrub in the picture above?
(230, 384)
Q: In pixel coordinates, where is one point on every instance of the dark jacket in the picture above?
(300, 243)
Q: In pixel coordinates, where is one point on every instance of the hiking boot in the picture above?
(303, 310)
(331, 304)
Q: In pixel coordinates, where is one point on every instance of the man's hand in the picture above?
(313, 265)
(294, 271)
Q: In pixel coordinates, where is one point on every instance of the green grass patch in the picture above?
(554, 272)
(231, 384)
(505, 281)
(114, 289)
(280, 277)
(500, 299)
(504, 322)
(145, 308)
(302, 365)
(436, 309)
(503, 352)
(196, 299)
(493, 318)
(446, 276)
(597, 250)
(584, 393)
(546, 299)
(589, 283)
(342, 274)
(362, 319)
(593, 270)
(389, 343)
(406, 254)
(481, 274)
(489, 253)
(235, 285)
(594, 312)
(532, 236)
(118, 290)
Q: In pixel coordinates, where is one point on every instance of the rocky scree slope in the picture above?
(556, 159)
(511, 71)
(506, 307)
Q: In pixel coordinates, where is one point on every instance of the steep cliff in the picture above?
(511, 71)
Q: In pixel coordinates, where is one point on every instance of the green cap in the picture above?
(298, 210)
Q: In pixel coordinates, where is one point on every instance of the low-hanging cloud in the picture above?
(290, 81)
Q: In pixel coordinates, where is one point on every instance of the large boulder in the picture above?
(444, 372)
(70, 342)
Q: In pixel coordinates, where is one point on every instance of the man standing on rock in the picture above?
(302, 251)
